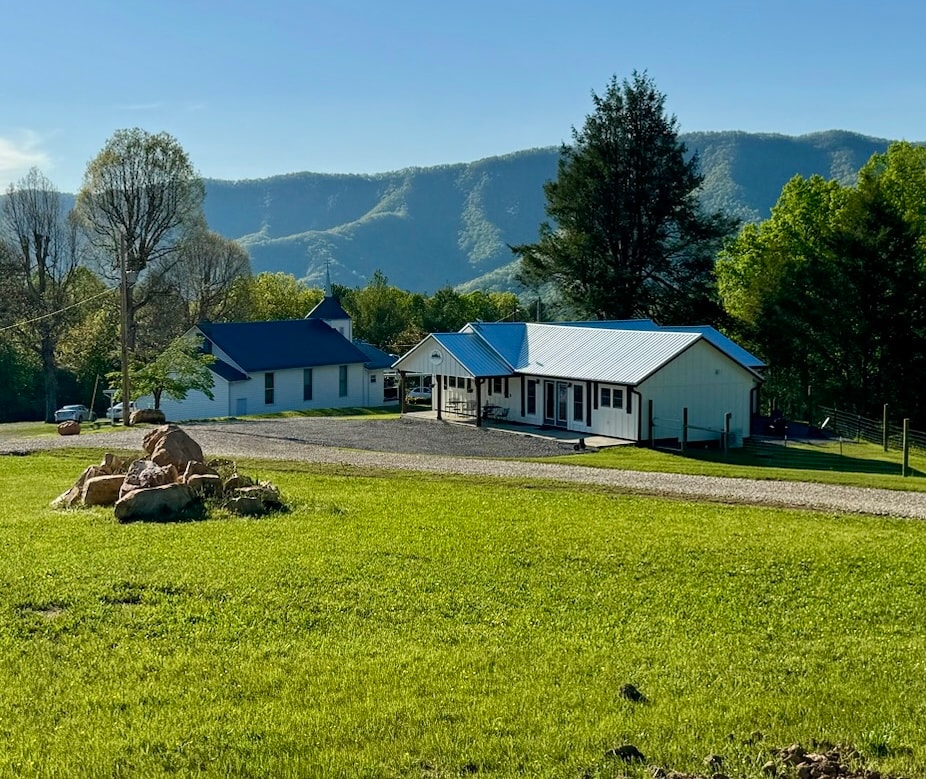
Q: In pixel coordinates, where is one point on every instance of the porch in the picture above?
(468, 417)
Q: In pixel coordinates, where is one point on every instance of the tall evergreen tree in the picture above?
(628, 237)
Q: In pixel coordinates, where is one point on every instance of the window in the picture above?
(342, 381)
(606, 397)
(497, 385)
(268, 389)
(372, 378)
(453, 381)
(532, 397)
(306, 383)
(618, 398)
(578, 410)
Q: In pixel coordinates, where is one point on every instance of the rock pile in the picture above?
(793, 762)
(170, 480)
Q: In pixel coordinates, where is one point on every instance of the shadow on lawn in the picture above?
(761, 454)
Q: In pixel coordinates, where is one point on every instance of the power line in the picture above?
(59, 311)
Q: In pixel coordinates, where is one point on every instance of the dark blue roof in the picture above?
(329, 308)
(376, 357)
(290, 343)
(227, 372)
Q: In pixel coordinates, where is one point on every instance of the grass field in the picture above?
(830, 462)
(399, 625)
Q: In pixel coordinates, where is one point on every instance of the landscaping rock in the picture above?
(102, 490)
(246, 506)
(70, 427)
(238, 481)
(150, 416)
(207, 485)
(72, 496)
(144, 474)
(194, 468)
(169, 444)
(156, 503)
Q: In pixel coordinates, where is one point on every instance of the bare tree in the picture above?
(204, 278)
(140, 195)
(39, 259)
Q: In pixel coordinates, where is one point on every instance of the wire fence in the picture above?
(855, 427)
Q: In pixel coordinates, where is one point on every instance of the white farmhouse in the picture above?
(632, 379)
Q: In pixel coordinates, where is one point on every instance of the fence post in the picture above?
(652, 432)
(884, 427)
(726, 432)
(685, 429)
(858, 429)
(904, 469)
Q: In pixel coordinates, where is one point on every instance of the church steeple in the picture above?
(329, 310)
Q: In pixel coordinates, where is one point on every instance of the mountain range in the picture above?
(425, 228)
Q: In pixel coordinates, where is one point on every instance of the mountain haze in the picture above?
(452, 224)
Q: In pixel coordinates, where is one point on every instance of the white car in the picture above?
(76, 413)
(418, 395)
(115, 412)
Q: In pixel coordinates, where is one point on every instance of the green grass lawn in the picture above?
(399, 625)
(848, 463)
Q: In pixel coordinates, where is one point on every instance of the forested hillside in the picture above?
(428, 227)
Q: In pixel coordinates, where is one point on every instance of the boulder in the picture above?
(71, 427)
(255, 500)
(72, 496)
(246, 505)
(209, 485)
(169, 444)
(154, 503)
(144, 474)
(150, 416)
(194, 468)
(265, 492)
(114, 464)
(238, 481)
(102, 490)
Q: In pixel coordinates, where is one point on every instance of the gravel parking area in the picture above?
(440, 447)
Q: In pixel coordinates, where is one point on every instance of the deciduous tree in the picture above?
(140, 195)
(38, 264)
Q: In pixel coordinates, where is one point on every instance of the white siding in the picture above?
(288, 390)
(616, 422)
(195, 406)
(709, 384)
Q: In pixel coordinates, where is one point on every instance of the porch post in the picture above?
(401, 392)
(439, 388)
(478, 402)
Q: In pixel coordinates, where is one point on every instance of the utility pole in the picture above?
(124, 306)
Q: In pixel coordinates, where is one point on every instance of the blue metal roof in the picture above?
(377, 359)
(506, 338)
(474, 353)
(328, 308)
(290, 343)
(227, 372)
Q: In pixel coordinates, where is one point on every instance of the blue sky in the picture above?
(253, 89)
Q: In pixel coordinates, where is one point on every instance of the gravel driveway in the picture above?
(439, 447)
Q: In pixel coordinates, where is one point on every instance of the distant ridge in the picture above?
(452, 224)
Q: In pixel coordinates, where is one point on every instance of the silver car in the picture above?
(76, 413)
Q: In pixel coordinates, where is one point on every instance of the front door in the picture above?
(556, 403)
(241, 407)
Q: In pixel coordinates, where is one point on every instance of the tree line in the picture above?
(830, 290)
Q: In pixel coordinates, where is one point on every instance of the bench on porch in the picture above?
(494, 412)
